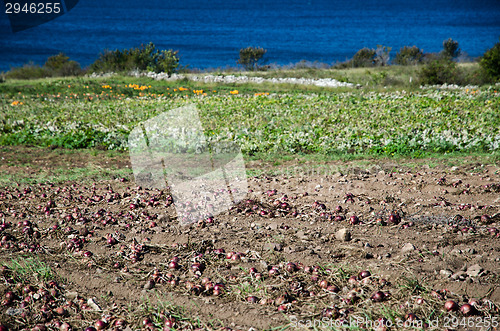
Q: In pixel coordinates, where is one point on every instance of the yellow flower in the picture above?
(15, 103)
(234, 92)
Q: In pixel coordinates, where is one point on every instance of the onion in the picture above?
(324, 284)
(378, 296)
(364, 274)
(290, 267)
(467, 309)
(451, 305)
(354, 220)
(252, 299)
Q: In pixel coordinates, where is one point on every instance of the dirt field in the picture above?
(117, 254)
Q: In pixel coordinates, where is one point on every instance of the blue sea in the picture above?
(209, 34)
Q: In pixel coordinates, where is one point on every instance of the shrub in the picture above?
(144, 58)
(409, 56)
(250, 56)
(439, 72)
(450, 49)
(59, 66)
(363, 58)
(490, 62)
(382, 55)
(27, 71)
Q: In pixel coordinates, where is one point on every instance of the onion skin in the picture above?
(467, 310)
(451, 305)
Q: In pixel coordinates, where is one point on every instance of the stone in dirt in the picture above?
(407, 248)
(273, 247)
(343, 235)
(446, 273)
(474, 270)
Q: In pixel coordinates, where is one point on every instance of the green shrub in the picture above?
(144, 58)
(450, 49)
(409, 56)
(250, 56)
(365, 57)
(490, 62)
(27, 71)
(60, 66)
(439, 72)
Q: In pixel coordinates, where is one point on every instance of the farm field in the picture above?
(367, 209)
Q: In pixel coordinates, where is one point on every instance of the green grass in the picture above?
(25, 268)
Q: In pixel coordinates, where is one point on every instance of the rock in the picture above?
(343, 235)
(474, 270)
(446, 273)
(461, 275)
(301, 235)
(149, 284)
(273, 226)
(471, 251)
(407, 248)
(273, 247)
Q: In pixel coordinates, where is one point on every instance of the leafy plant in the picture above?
(490, 62)
(60, 66)
(409, 56)
(439, 72)
(364, 58)
(250, 56)
(450, 49)
(144, 58)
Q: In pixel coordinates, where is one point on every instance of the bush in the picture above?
(144, 58)
(27, 71)
(409, 56)
(60, 66)
(439, 72)
(450, 49)
(250, 56)
(365, 57)
(490, 62)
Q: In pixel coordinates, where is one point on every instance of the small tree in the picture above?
(491, 62)
(364, 58)
(450, 49)
(60, 65)
(382, 55)
(409, 56)
(250, 56)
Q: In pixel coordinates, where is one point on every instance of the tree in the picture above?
(409, 56)
(382, 55)
(364, 58)
(250, 56)
(450, 49)
(490, 62)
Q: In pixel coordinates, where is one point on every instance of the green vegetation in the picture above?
(250, 57)
(144, 58)
(409, 56)
(61, 113)
(56, 66)
(490, 62)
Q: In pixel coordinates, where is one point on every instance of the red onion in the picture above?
(323, 284)
(451, 305)
(378, 296)
(252, 299)
(354, 220)
(467, 310)
(364, 274)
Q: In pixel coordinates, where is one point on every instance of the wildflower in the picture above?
(15, 103)
(234, 92)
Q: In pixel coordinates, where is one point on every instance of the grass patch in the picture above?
(27, 268)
